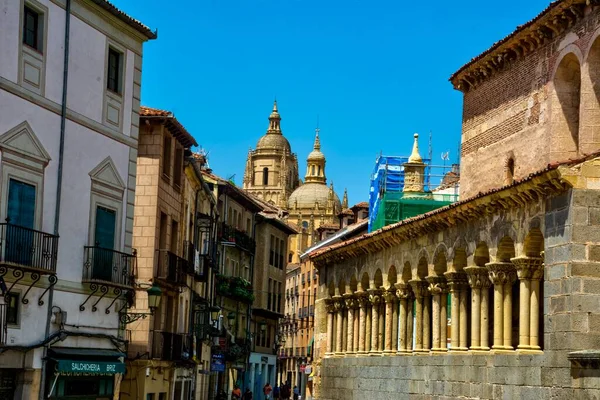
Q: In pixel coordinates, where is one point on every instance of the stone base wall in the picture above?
(449, 376)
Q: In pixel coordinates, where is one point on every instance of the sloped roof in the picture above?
(175, 127)
(134, 23)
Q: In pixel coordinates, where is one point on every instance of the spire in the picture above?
(345, 200)
(415, 157)
(274, 120)
(317, 145)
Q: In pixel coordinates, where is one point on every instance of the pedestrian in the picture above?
(276, 392)
(267, 389)
(236, 393)
(285, 392)
(296, 393)
(247, 395)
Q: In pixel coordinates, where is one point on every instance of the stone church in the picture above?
(497, 295)
(272, 174)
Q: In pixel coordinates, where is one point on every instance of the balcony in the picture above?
(3, 317)
(235, 288)
(311, 311)
(228, 234)
(108, 267)
(169, 346)
(27, 249)
(197, 264)
(171, 268)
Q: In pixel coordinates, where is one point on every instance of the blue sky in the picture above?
(374, 72)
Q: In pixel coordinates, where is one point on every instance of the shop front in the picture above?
(81, 374)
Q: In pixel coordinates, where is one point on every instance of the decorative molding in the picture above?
(22, 140)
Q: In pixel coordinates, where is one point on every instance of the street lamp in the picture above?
(215, 311)
(231, 318)
(154, 296)
(263, 326)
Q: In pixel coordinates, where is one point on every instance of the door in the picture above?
(20, 246)
(104, 241)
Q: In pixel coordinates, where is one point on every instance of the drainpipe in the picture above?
(63, 121)
(249, 312)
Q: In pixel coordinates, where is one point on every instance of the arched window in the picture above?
(319, 171)
(509, 171)
(312, 171)
(265, 176)
(290, 257)
(565, 108)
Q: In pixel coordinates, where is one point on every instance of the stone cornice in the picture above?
(534, 188)
(558, 17)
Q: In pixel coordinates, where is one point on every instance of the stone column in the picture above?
(330, 307)
(477, 277)
(427, 319)
(419, 288)
(410, 322)
(368, 332)
(395, 324)
(339, 309)
(437, 289)
(404, 293)
(390, 299)
(381, 329)
(485, 321)
(530, 271)
(356, 326)
(502, 275)
(375, 300)
(456, 282)
(362, 299)
(444, 320)
(350, 301)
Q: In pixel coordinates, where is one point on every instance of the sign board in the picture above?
(67, 367)
(264, 360)
(217, 363)
(302, 368)
(308, 369)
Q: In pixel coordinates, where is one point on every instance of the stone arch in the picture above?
(331, 289)
(590, 99)
(353, 284)
(406, 273)
(506, 249)
(566, 95)
(422, 267)
(459, 261)
(534, 243)
(342, 286)
(378, 279)
(509, 169)
(481, 255)
(440, 260)
(392, 276)
(364, 281)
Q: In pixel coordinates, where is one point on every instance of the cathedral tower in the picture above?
(272, 169)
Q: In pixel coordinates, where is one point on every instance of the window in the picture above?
(269, 294)
(272, 251)
(12, 310)
(265, 176)
(167, 156)
(178, 166)
(510, 171)
(113, 81)
(174, 236)
(162, 396)
(32, 29)
(162, 235)
(21, 204)
(150, 396)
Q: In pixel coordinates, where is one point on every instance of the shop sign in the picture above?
(218, 363)
(68, 367)
(302, 368)
(308, 369)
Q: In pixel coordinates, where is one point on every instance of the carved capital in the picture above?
(330, 305)
(437, 285)
(529, 267)
(338, 303)
(502, 273)
(389, 296)
(350, 301)
(457, 280)
(478, 277)
(362, 299)
(403, 291)
(419, 287)
(375, 297)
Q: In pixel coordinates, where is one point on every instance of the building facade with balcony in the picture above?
(234, 287)
(160, 359)
(272, 237)
(70, 82)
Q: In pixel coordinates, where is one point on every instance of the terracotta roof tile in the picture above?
(176, 128)
(140, 27)
(328, 226)
(549, 167)
(362, 204)
(347, 211)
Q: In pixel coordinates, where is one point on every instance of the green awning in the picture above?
(69, 361)
(310, 345)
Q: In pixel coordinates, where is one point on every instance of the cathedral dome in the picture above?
(273, 141)
(305, 196)
(315, 155)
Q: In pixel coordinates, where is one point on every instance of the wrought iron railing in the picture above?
(239, 238)
(28, 248)
(108, 266)
(171, 268)
(197, 264)
(171, 346)
(3, 323)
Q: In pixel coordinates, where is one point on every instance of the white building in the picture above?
(68, 151)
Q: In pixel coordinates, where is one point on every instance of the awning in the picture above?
(310, 345)
(69, 361)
